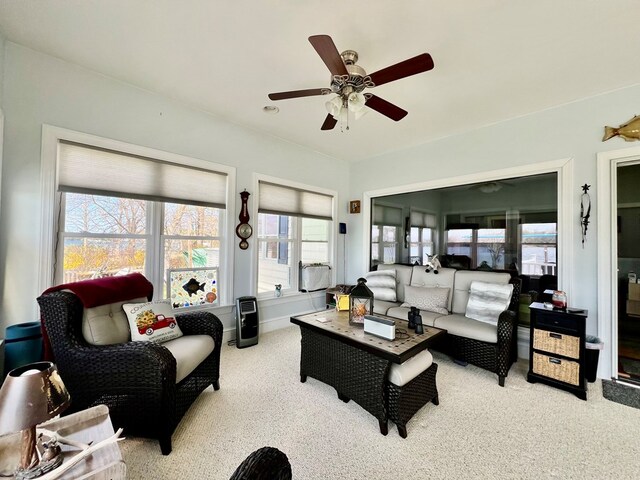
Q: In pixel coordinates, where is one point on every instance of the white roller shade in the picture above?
(424, 220)
(384, 215)
(284, 200)
(85, 169)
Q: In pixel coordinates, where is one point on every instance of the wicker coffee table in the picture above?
(356, 364)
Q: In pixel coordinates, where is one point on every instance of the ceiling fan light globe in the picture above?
(334, 106)
(356, 101)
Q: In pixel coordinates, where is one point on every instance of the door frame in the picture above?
(607, 207)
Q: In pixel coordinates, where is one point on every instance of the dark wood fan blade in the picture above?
(412, 66)
(298, 93)
(329, 123)
(385, 108)
(329, 54)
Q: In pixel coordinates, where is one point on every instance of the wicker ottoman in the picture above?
(411, 386)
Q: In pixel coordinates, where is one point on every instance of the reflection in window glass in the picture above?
(389, 234)
(385, 251)
(490, 248)
(459, 235)
(421, 245)
(459, 242)
(538, 248)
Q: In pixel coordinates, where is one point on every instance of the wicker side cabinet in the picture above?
(557, 348)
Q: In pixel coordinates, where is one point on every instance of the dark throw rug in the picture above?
(620, 393)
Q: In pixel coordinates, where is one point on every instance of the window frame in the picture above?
(51, 206)
(296, 227)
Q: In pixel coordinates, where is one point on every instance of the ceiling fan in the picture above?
(348, 81)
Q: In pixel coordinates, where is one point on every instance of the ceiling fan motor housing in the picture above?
(356, 80)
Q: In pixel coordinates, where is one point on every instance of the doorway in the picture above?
(628, 262)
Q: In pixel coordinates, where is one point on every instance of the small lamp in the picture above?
(30, 395)
(360, 303)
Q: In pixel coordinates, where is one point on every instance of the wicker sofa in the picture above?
(146, 387)
(493, 347)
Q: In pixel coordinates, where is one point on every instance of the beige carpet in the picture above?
(479, 430)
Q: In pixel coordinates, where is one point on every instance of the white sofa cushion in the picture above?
(107, 324)
(382, 284)
(443, 279)
(380, 306)
(428, 318)
(403, 277)
(401, 374)
(487, 301)
(462, 286)
(457, 324)
(189, 352)
(431, 299)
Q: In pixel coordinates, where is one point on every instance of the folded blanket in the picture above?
(101, 291)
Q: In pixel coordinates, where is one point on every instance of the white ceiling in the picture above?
(494, 59)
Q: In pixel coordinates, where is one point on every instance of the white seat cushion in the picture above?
(462, 326)
(380, 306)
(428, 318)
(405, 372)
(189, 352)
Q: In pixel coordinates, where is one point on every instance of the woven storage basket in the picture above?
(564, 370)
(565, 345)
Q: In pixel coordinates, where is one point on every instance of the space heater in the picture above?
(246, 322)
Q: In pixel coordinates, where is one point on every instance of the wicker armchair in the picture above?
(266, 463)
(136, 380)
(495, 357)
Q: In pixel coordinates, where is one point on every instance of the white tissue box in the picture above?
(380, 327)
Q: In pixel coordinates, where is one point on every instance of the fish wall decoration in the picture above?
(630, 131)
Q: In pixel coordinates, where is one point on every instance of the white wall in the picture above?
(570, 131)
(40, 89)
(2, 46)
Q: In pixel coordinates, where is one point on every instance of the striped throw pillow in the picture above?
(487, 301)
(383, 284)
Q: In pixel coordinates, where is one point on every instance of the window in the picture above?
(485, 246)
(489, 249)
(526, 241)
(385, 234)
(538, 243)
(294, 226)
(421, 236)
(421, 244)
(384, 244)
(460, 241)
(115, 220)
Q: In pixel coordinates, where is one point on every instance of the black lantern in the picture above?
(360, 303)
